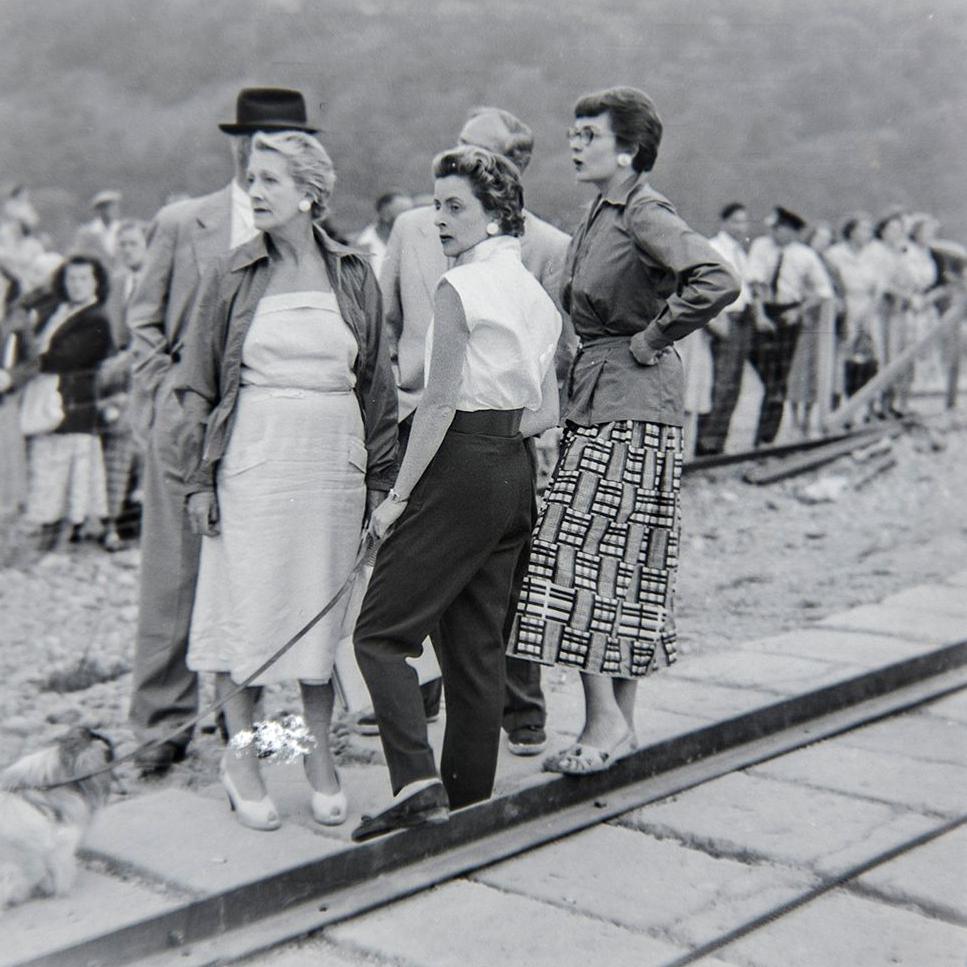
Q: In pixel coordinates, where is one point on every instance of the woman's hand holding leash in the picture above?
(386, 515)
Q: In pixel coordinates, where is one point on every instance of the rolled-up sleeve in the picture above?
(705, 285)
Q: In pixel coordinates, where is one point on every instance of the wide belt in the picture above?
(487, 422)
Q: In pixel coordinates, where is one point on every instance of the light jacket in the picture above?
(208, 373)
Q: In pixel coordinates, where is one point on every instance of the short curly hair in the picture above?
(494, 181)
(634, 121)
(308, 163)
(102, 282)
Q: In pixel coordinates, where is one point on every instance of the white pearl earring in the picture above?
(493, 228)
(624, 160)
(305, 205)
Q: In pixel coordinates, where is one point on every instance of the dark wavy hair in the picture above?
(102, 284)
(494, 181)
(634, 121)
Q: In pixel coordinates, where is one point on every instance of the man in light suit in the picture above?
(184, 239)
(412, 267)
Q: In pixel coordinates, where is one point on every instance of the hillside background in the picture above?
(823, 106)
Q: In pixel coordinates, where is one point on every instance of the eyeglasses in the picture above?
(584, 135)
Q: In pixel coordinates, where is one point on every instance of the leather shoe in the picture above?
(157, 761)
(429, 806)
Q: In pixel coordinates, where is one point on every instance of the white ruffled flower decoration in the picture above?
(284, 741)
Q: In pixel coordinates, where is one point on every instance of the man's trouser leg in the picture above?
(164, 690)
(771, 356)
(728, 361)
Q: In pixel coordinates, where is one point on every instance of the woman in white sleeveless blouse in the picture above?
(461, 508)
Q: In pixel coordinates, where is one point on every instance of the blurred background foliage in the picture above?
(824, 107)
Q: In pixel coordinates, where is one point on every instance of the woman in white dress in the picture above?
(288, 434)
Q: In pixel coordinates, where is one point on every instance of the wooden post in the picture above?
(953, 374)
(825, 359)
(950, 320)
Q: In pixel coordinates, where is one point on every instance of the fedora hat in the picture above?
(268, 109)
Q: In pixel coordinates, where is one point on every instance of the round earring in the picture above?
(493, 228)
(624, 159)
(305, 205)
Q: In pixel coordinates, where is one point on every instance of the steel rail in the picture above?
(298, 902)
(831, 883)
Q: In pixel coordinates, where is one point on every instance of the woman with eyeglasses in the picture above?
(599, 591)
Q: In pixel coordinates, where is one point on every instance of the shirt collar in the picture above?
(261, 247)
(491, 247)
(620, 193)
(240, 197)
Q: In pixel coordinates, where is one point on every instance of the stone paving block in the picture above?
(933, 877)
(194, 842)
(315, 952)
(931, 598)
(97, 904)
(742, 816)
(672, 692)
(950, 707)
(927, 787)
(646, 884)
(444, 927)
(851, 647)
(917, 736)
(924, 627)
(779, 674)
(840, 930)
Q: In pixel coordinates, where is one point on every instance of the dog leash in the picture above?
(368, 546)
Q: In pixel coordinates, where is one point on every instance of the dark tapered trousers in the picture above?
(771, 357)
(448, 568)
(728, 360)
(523, 697)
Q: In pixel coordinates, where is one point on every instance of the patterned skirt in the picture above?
(599, 590)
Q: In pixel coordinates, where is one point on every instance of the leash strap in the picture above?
(368, 545)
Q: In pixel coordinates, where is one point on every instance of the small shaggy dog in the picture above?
(40, 827)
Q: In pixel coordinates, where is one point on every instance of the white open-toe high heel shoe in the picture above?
(329, 808)
(258, 814)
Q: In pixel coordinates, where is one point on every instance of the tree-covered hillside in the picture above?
(823, 106)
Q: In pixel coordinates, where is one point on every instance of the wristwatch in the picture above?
(397, 498)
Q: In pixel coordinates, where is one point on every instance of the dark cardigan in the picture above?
(74, 353)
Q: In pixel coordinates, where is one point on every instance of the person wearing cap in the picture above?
(784, 274)
(412, 267)
(184, 239)
(99, 236)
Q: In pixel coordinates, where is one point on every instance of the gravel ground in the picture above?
(755, 561)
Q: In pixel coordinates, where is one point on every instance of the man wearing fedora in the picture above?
(183, 240)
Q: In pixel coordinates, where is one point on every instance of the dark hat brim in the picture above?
(266, 126)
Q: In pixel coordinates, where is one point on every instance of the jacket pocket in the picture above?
(358, 455)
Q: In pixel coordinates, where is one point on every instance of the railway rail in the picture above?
(298, 902)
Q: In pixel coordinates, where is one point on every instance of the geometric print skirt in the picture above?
(599, 590)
